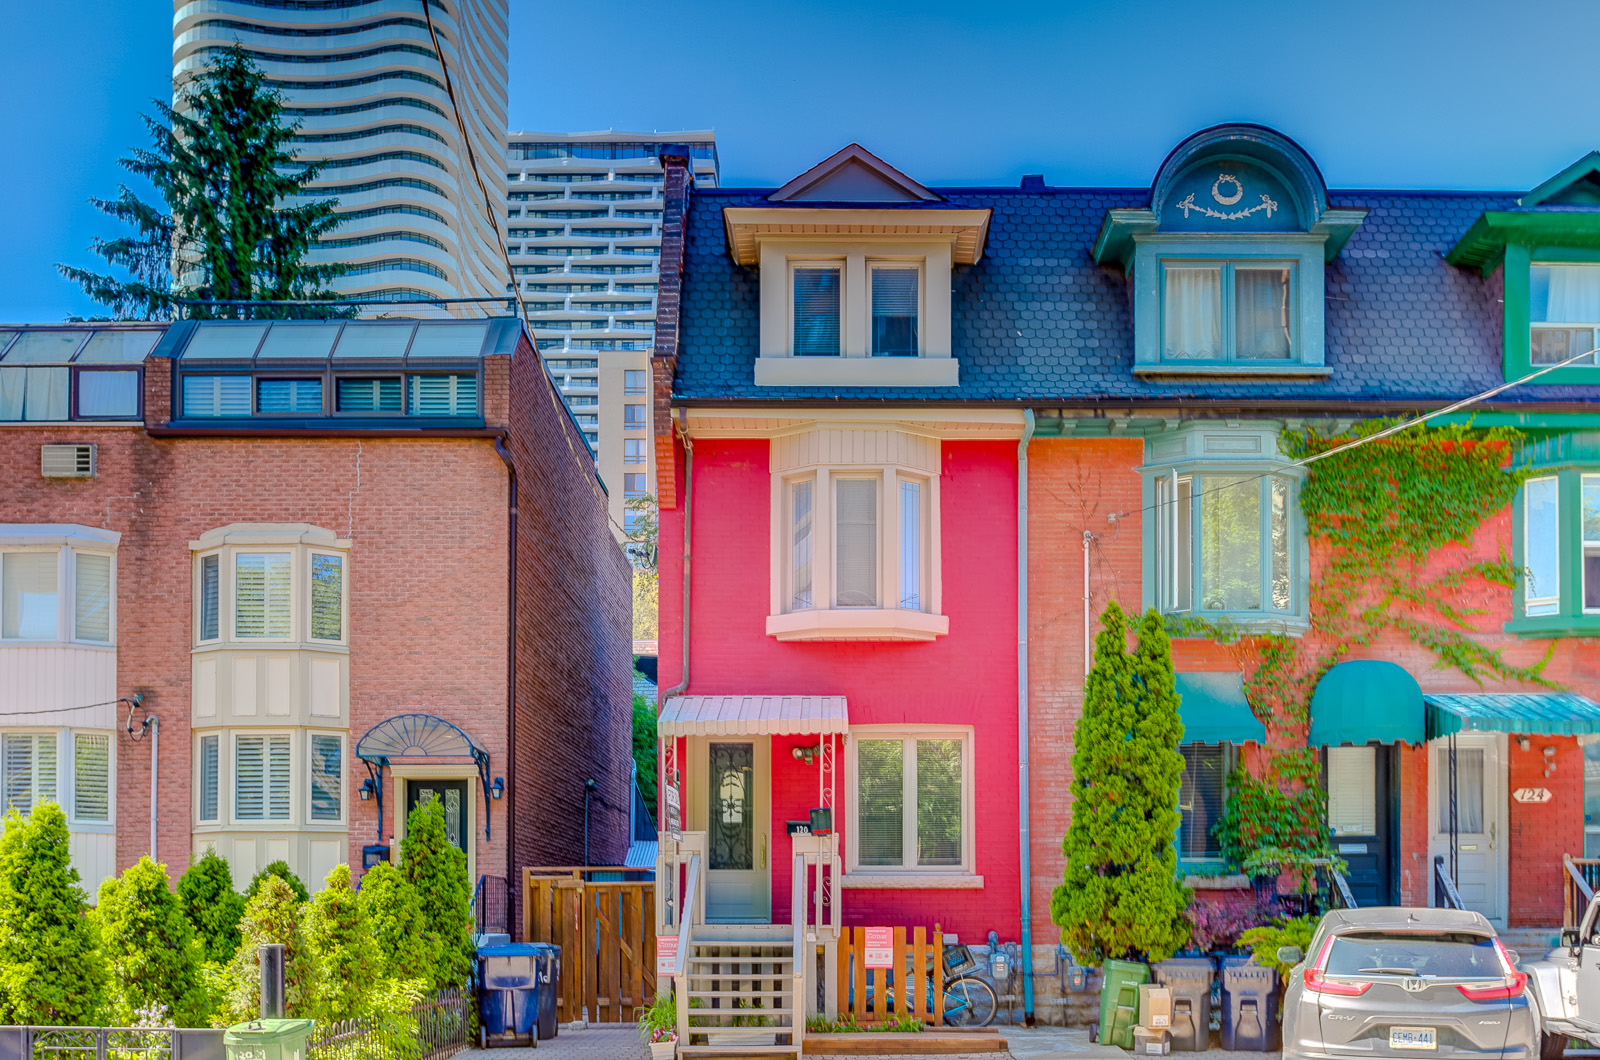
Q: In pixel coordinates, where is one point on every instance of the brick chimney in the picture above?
(678, 184)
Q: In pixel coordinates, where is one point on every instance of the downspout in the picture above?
(155, 760)
(688, 522)
(511, 675)
(1023, 790)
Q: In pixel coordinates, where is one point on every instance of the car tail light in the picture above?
(1512, 985)
(1314, 979)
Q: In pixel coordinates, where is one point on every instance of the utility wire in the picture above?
(60, 710)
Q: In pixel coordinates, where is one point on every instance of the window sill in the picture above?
(911, 881)
(1236, 622)
(327, 646)
(857, 371)
(1253, 369)
(1555, 626)
(858, 624)
(1236, 882)
(81, 645)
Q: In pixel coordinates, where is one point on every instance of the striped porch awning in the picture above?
(1533, 713)
(752, 716)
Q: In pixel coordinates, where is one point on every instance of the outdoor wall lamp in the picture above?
(807, 754)
(367, 788)
(498, 789)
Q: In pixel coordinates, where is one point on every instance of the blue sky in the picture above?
(1466, 94)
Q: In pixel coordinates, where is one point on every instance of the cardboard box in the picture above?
(1155, 1007)
(1148, 1042)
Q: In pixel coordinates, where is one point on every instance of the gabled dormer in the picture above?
(1227, 260)
(855, 261)
(1549, 247)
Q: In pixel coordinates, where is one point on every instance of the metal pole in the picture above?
(271, 957)
(1455, 841)
(155, 774)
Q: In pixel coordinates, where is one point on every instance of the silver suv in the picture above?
(1408, 983)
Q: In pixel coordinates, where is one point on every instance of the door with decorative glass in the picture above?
(452, 794)
(734, 809)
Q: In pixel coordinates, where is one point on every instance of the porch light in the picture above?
(807, 754)
(498, 790)
(367, 788)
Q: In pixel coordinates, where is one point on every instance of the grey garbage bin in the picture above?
(1189, 979)
(1249, 1005)
(548, 964)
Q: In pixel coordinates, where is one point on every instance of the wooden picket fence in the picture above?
(917, 957)
(607, 933)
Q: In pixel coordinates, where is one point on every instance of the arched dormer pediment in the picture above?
(1238, 178)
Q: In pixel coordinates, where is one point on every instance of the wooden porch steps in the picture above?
(733, 1051)
(932, 1042)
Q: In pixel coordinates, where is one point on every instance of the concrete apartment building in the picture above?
(584, 227)
(366, 85)
(341, 567)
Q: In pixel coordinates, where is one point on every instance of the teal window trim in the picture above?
(1570, 618)
(1517, 323)
(1303, 251)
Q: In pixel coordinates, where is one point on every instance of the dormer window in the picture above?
(816, 310)
(1563, 312)
(1227, 311)
(894, 311)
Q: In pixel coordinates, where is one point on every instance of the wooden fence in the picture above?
(607, 933)
(916, 958)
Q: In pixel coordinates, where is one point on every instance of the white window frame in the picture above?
(71, 612)
(1559, 325)
(344, 595)
(1548, 606)
(61, 768)
(66, 601)
(909, 735)
(300, 545)
(224, 793)
(295, 578)
(344, 778)
(264, 824)
(794, 265)
(880, 598)
(69, 737)
(921, 267)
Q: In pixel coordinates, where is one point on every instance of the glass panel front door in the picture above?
(734, 809)
(730, 839)
(452, 794)
(1480, 797)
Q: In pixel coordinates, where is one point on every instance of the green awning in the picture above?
(1534, 713)
(1214, 709)
(1357, 702)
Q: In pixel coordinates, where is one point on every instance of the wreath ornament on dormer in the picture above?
(1268, 204)
(1227, 200)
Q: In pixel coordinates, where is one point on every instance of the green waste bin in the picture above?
(1119, 1001)
(267, 1040)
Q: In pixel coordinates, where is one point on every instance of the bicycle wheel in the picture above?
(969, 1002)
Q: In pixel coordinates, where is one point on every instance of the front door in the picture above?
(734, 810)
(1480, 812)
(453, 795)
(1358, 819)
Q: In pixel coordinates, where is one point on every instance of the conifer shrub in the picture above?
(437, 869)
(282, 871)
(149, 948)
(273, 915)
(343, 951)
(399, 925)
(212, 905)
(1120, 896)
(51, 971)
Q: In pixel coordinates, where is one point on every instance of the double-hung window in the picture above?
(1227, 311)
(816, 310)
(1563, 313)
(877, 535)
(1201, 794)
(912, 802)
(895, 310)
(1224, 542)
(262, 777)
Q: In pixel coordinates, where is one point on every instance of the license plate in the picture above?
(1413, 1038)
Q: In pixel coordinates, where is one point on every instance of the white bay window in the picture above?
(60, 594)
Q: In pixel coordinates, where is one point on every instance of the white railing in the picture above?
(804, 959)
(821, 854)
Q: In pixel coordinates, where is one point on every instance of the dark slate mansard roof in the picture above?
(1036, 321)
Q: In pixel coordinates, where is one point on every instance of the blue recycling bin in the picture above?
(508, 994)
(547, 967)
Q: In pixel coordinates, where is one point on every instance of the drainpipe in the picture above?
(1024, 792)
(155, 763)
(1088, 655)
(688, 521)
(511, 671)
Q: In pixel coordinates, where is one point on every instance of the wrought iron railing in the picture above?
(1578, 884)
(1445, 895)
(109, 1043)
(491, 904)
(440, 1026)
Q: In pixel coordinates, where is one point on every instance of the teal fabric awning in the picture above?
(1357, 702)
(1534, 713)
(1214, 709)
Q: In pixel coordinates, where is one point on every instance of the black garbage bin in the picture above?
(1249, 1005)
(1189, 979)
(548, 965)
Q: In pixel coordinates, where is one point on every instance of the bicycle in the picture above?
(969, 1001)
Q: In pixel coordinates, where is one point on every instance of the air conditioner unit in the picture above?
(67, 461)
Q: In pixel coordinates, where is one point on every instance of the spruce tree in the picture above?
(273, 915)
(50, 968)
(399, 926)
(437, 868)
(233, 224)
(277, 870)
(149, 948)
(1120, 896)
(212, 905)
(339, 937)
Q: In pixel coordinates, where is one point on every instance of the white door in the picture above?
(733, 806)
(1480, 810)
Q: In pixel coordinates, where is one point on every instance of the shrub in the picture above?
(282, 871)
(50, 968)
(1265, 940)
(339, 938)
(437, 868)
(212, 905)
(273, 915)
(1217, 923)
(1120, 896)
(399, 926)
(149, 948)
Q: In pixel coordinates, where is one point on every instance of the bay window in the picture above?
(1556, 542)
(910, 801)
(275, 587)
(59, 594)
(1224, 541)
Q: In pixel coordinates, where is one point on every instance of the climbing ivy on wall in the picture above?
(1381, 518)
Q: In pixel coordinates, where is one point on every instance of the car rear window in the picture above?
(1448, 955)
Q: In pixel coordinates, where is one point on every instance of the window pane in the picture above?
(816, 312)
(216, 395)
(368, 395)
(261, 595)
(448, 339)
(1282, 592)
(1200, 800)
(302, 339)
(1192, 313)
(1261, 313)
(45, 347)
(278, 792)
(1564, 294)
(327, 597)
(209, 566)
(800, 551)
(225, 341)
(1591, 542)
(1554, 345)
(327, 769)
(117, 347)
(938, 802)
(730, 841)
(894, 312)
(1175, 532)
(28, 611)
(373, 339)
(633, 417)
(857, 543)
(880, 802)
(108, 394)
(1353, 791)
(250, 778)
(1230, 543)
(911, 545)
(1469, 789)
(208, 777)
(91, 777)
(289, 396)
(92, 620)
(28, 770)
(31, 393)
(1542, 546)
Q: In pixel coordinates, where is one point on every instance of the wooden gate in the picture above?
(918, 960)
(607, 933)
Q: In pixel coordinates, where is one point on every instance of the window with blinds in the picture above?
(1200, 799)
(210, 777)
(443, 395)
(327, 772)
(1353, 790)
(289, 397)
(911, 796)
(29, 596)
(327, 597)
(894, 312)
(880, 803)
(856, 542)
(261, 778)
(92, 597)
(911, 545)
(939, 802)
(210, 584)
(91, 777)
(816, 312)
(216, 396)
(261, 595)
(800, 550)
(368, 395)
(27, 770)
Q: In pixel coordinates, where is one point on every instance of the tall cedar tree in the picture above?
(1120, 896)
(213, 907)
(222, 160)
(149, 948)
(279, 870)
(343, 950)
(273, 915)
(437, 868)
(51, 971)
(394, 909)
